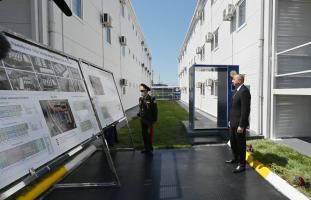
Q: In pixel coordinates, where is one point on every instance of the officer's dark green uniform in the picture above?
(148, 112)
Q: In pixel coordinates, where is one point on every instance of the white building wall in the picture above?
(238, 48)
(85, 38)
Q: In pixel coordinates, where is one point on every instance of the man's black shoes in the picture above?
(231, 161)
(239, 168)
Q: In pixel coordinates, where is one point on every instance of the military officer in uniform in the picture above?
(148, 113)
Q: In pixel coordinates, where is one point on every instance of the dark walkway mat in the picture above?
(194, 174)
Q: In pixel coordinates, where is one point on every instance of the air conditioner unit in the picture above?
(146, 49)
(199, 14)
(106, 20)
(123, 82)
(123, 1)
(228, 13)
(143, 64)
(198, 84)
(209, 82)
(142, 42)
(198, 50)
(122, 40)
(209, 37)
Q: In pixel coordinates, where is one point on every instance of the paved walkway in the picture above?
(197, 173)
(203, 120)
(302, 146)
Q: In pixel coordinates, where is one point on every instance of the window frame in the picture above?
(233, 23)
(215, 38)
(108, 39)
(122, 10)
(82, 10)
(238, 25)
(123, 51)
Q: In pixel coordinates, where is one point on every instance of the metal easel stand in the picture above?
(115, 183)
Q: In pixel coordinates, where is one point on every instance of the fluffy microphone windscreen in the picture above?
(4, 46)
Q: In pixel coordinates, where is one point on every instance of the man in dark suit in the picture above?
(239, 114)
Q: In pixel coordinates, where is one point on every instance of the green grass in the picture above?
(283, 161)
(169, 131)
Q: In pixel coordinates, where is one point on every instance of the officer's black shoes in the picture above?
(231, 161)
(239, 168)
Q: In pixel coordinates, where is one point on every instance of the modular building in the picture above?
(270, 40)
(103, 32)
(165, 92)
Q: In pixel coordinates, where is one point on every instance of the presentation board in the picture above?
(104, 94)
(45, 109)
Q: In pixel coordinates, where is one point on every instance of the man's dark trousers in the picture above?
(238, 145)
(146, 135)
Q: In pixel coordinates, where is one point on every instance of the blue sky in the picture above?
(164, 24)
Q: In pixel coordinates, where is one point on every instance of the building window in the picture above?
(214, 89)
(203, 53)
(233, 23)
(108, 35)
(76, 6)
(123, 50)
(202, 89)
(215, 40)
(242, 13)
(123, 10)
(124, 90)
(202, 17)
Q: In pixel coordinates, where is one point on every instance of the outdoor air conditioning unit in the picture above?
(123, 1)
(209, 82)
(198, 85)
(199, 14)
(123, 40)
(142, 43)
(143, 64)
(198, 50)
(123, 82)
(146, 49)
(106, 19)
(209, 37)
(228, 13)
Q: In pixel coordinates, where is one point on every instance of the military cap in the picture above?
(145, 87)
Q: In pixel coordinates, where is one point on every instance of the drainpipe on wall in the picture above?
(103, 36)
(261, 66)
(51, 25)
(63, 43)
(40, 24)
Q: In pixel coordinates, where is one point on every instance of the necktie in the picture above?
(234, 93)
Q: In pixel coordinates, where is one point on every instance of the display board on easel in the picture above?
(104, 94)
(45, 109)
